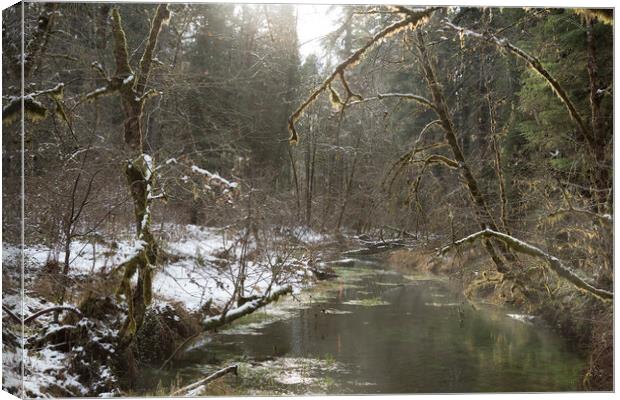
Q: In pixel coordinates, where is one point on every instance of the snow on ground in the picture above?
(48, 368)
(204, 266)
(44, 368)
(209, 267)
(307, 235)
(205, 263)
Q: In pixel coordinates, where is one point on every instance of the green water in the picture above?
(374, 331)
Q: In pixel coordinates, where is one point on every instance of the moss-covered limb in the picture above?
(148, 94)
(605, 15)
(536, 65)
(437, 159)
(34, 110)
(140, 179)
(121, 55)
(161, 16)
(411, 20)
(445, 121)
(139, 297)
(345, 84)
(525, 248)
(247, 308)
(407, 96)
(140, 173)
(404, 160)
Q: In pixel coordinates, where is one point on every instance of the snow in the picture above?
(214, 176)
(128, 79)
(526, 319)
(308, 235)
(205, 267)
(47, 368)
(97, 92)
(208, 267)
(148, 161)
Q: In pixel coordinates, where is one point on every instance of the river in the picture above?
(373, 330)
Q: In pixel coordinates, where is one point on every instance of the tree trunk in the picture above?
(483, 214)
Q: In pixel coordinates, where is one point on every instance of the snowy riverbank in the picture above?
(203, 268)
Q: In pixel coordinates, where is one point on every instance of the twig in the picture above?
(233, 368)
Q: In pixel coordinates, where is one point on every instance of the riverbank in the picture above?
(201, 276)
(197, 281)
(583, 321)
(374, 330)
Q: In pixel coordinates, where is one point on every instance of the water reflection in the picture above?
(421, 337)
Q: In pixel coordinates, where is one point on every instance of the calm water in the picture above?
(374, 331)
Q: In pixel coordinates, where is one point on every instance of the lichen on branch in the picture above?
(412, 20)
(525, 248)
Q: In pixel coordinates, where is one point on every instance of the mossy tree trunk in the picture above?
(139, 171)
(439, 105)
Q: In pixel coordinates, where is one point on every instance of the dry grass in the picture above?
(410, 260)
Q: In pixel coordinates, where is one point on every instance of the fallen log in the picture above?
(39, 313)
(195, 388)
(375, 247)
(245, 309)
(11, 314)
(52, 309)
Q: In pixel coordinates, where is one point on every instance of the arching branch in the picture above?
(245, 309)
(36, 315)
(50, 310)
(412, 20)
(408, 96)
(522, 247)
(535, 64)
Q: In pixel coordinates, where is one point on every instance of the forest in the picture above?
(199, 200)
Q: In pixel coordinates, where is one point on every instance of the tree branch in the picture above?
(195, 388)
(52, 309)
(161, 16)
(522, 247)
(606, 219)
(411, 20)
(535, 64)
(247, 308)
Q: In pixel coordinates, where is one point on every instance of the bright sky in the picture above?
(313, 23)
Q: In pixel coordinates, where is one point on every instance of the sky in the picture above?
(313, 23)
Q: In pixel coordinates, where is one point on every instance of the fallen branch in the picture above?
(50, 310)
(11, 314)
(522, 247)
(36, 315)
(245, 309)
(375, 247)
(195, 388)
